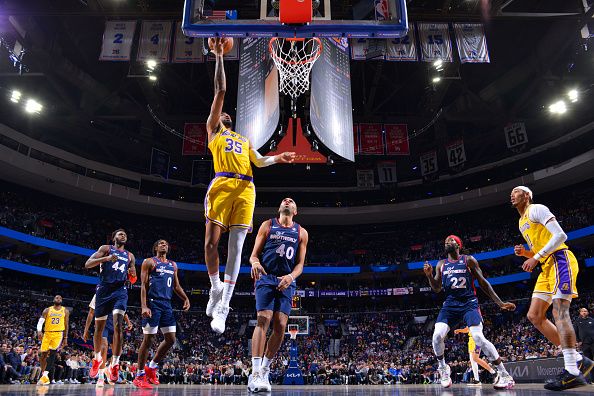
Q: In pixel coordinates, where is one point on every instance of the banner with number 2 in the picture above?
(117, 40)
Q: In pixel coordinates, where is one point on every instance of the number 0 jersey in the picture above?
(280, 249)
(230, 152)
(115, 273)
(161, 280)
(457, 281)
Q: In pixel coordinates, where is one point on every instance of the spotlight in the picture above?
(151, 64)
(32, 106)
(438, 64)
(153, 77)
(573, 95)
(558, 107)
(436, 80)
(15, 96)
(314, 146)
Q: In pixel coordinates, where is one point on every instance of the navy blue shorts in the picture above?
(161, 317)
(268, 298)
(452, 314)
(109, 298)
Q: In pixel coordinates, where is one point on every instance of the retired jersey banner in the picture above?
(372, 141)
(357, 146)
(435, 42)
(366, 49)
(386, 171)
(117, 40)
(472, 43)
(397, 139)
(402, 48)
(159, 163)
(155, 40)
(515, 134)
(186, 49)
(195, 137)
(456, 153)
(429, 163)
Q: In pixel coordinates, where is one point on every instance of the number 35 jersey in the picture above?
(230, 153)
(280, 248)
(457, 281)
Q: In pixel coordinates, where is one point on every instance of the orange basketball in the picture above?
(227, 44)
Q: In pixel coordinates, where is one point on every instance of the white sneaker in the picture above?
(253, 379)
(214, 297)
(100, 383)
(505, 382)
(446, 380)
(59, 382)
(219, 316)
(265, 382)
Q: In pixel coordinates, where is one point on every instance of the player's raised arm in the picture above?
(486, 286)
(262, 161)
(220, 87)
(145, 269)
(100, 256)
(434, 281)
(257, 268)
(180, 291)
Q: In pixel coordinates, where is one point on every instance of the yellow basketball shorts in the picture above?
(230, 202)
(472, 345)
(51, 340)
(559, 275)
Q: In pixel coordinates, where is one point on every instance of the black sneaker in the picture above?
(585, 366)
(565, 381)
(474, 382)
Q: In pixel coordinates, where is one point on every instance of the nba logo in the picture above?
(382, 11)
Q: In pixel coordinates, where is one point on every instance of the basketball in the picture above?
(227, 44)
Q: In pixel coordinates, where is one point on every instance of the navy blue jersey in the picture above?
(161, 280)
(115, 273)
(457, 281)
(280, 249)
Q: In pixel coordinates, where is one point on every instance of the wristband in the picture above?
(292, 277)
(537, 256)
(132, 279)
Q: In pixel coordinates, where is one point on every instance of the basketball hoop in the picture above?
(294, 59)
(293, 333)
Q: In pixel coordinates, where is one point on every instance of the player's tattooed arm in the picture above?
(476, 271)
(220, 87)
(180, 291)
(100, 256)
(145, 269)
(434, 281)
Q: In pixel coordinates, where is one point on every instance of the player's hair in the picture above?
(157, 244)
(113, 234)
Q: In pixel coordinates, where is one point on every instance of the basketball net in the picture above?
(293, 333)
(294, 59)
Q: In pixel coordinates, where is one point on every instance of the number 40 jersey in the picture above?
(280, 249)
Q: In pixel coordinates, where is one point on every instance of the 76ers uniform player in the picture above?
(456, 275)
(116, 267)
(158, 277)
(282, 244)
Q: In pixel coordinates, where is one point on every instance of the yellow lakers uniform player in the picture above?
(559, 267)
(231, 195)
(55, 324)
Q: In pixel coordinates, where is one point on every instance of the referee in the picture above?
(584, 331)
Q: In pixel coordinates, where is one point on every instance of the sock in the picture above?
(98, 357)
(578, 357)
(256, 364)
(569, 356)
(101, 374)
(501, 369)
(475, 371)
(153, 365)
(441, 362)
(140, 373)
(266, 363)
(215, 280)
(45, 373)
(228, 288)
(115, 360)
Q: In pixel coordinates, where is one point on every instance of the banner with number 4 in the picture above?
(155, 40)
(515, 134)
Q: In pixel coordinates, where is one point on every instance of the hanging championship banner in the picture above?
(515, 134)
(397, 139)
(357, 146)
(201, 172)
(386, 171)
(155, 39)
(365, 178)
(429, 163)
(435, 42)
(456, 153)
(472, 43)
(365, 49)
(186, 49)
(159, 163)
(195, 136)
(402, 48)
(372, 141)
(117, 40)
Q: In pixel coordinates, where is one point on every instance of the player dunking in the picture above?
(230, 198)
(158, 277)
(116, 267)
(474, 354)
(556, 284)
(282, 244)
(455, 275)
(53, 338)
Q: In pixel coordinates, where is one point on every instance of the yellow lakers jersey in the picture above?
(230, 152)
(535, 234)
(55, 319)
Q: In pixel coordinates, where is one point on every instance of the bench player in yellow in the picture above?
(474, 353)
(231, 196)
(53, 336)
(555, 285)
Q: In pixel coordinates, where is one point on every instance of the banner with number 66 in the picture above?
(117, 40)
(155, 39)
(515, 134)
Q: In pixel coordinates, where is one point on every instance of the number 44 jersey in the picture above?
(280, 249)
(115, 273)
(457, 281)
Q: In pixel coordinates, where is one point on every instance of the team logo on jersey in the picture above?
(565, 286)
(525, 227)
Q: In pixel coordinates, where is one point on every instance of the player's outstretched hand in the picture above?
(519, 250)
(257, 271)
(529, 264)
(217, 47)
(186, 304)
(146, 313)
(508, 306)
(427, 269)
(285, 158)
(284, 282)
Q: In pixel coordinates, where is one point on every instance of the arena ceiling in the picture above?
(99, 109)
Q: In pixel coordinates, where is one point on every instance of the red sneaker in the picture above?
(95, 368)
(114, 373)
(151, 374)
(141, 382)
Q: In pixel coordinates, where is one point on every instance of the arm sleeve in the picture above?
(92, 303)
(557, 238)
(259, 160)
(540, 214)
(40, 324)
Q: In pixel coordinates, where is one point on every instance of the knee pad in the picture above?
(477, 334)
(440, 331)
